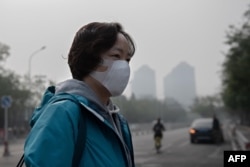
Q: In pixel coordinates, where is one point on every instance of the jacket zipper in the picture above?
(125, 148)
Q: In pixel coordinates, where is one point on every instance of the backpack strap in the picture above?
(81, 138)
(21, 161)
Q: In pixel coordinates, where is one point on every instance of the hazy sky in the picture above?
(166, 32)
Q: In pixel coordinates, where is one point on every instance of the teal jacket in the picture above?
(52, 139)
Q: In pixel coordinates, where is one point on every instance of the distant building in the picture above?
(180, 84)
(144, 83)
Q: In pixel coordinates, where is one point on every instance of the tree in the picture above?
(236, 70)
(149, 109)
(207, 106)
(4, 51)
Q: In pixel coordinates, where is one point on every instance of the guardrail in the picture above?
(243, 142)
(239, 140)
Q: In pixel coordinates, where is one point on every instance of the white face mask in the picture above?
(115, 78)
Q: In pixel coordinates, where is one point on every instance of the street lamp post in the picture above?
(29, 74)
(30, 58)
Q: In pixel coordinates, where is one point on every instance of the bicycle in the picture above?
(157, 143)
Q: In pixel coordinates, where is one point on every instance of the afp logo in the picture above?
(236, 158)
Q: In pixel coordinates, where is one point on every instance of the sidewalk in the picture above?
(15, 150)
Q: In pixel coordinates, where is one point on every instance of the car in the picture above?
(201, 129)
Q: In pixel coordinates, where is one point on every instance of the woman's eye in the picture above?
(116, 56)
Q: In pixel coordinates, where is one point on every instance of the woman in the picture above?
(99, 62)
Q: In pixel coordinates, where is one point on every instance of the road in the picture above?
(177, 151)
(16, 151)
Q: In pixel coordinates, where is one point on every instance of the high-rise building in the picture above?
(180, 85)
(144, 83)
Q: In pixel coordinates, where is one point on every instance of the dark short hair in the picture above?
(89, 43)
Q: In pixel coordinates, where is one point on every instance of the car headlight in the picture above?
(192, 131)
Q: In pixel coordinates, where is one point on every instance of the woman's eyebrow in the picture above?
(122, 51)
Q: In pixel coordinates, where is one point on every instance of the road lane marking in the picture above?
(215, 153)
(183, 144)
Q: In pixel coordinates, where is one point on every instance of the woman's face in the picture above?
(119, 51)
(113, 74)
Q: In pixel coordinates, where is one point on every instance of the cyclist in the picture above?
(158, 129)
